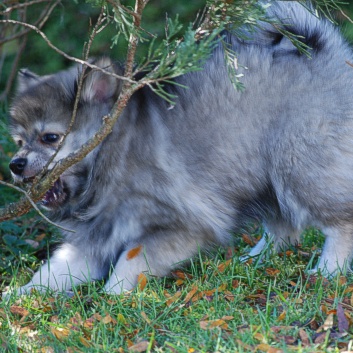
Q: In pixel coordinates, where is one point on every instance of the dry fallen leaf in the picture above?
(60, 333)
(227, 318)
(274, 350)
(142, 281)
(211, 324)
(85, 342)
(18, 310)
(89, 323)
(343, 323)
(145, 317)
(132, 253)
(328, 324)
(224, 265)
(249, 239)
(246, 346)
(139, 347)
(107, 319)
(282, 316)
(194, 289)
(172, 299)
(320, 338)
(235, 283)
(179, 282)
(181, 275)
(272, 272)
(121, 319)
(304, 337)
(263, 347)
(259, 336)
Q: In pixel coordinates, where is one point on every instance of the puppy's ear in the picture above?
(26, 79)
(98, 86)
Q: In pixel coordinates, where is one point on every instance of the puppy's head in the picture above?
(40, 116)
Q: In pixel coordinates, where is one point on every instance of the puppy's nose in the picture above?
(18, 165)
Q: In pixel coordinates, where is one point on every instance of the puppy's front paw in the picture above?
(11, 292)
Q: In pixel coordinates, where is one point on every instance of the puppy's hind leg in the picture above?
(155, 254)
(278, 231)
(337, 253)
(283, 233)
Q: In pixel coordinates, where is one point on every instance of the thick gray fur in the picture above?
(174, 179)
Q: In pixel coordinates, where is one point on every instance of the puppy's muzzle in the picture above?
(18, 165)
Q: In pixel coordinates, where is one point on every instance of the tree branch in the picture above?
(71, 58)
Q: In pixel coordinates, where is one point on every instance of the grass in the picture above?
(215, 304)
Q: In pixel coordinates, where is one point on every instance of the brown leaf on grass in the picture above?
(18, 310)
(229, 252)
(277, 329)
(222, 287)
(121, 319)
(342, 280)
(343, 324)
(181, 275)
(60, 333)
(132, 253)
(85, 342)
(250, 240)
(328, 324)
(263, 347)
(304, 337)
(274, 350)
(235, 283)
(289, 340)
(3, 341)
(73, 350)
(197, 297)
(227, 318)
(89, 323)
(194, 289)
(259, 336)
(224, 265)
(107, 319)
(229, 296)
(208, 293)
(282, 316)
(139, 347)
(40, 237)
(142, 281)
(320, 338)
(323, 308)
(349, 289)
(211, 324)
(246, 346)
(172, 299)
(75, 322)
(332, 311)
(179, 282)
(47, 350)
(258, 298)
(272, 272)
(145, 317)
(2, 314)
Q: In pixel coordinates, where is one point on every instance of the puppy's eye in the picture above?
(50, 138)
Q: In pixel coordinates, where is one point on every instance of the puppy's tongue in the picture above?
(54, 196)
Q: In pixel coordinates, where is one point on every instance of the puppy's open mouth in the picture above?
(56, 195)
